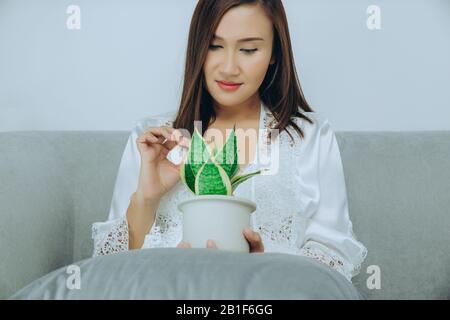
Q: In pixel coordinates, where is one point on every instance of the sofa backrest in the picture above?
(398, 189)
(54, 185)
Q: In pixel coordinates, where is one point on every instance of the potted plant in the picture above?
(214, 212)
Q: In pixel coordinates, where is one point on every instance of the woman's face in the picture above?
(240, 52)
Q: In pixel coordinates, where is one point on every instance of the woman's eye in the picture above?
(249, 51)
(246, 51)
(213, 47)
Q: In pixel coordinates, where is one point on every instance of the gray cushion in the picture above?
(173, 273)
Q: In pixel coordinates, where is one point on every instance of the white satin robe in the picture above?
(302, 204)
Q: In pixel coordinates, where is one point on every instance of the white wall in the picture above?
(126, 62)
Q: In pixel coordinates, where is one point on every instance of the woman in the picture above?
(239, 70)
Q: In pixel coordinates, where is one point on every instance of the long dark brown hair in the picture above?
(280, 91)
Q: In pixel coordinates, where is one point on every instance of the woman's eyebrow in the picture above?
(216, 37)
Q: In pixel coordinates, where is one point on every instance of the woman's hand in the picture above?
(157, 174)
(253, 238)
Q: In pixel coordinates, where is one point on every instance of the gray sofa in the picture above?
(53, 185)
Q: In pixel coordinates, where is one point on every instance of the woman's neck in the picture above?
(248, 110)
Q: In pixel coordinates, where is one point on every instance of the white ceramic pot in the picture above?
(217, 217)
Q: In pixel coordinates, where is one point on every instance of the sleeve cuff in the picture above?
(110, 236)
(330, 258)
(153, 239)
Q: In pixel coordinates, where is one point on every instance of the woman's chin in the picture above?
(229, 100)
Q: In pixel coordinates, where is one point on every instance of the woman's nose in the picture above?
(230, 65)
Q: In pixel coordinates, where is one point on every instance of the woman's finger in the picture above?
(254, 240)
(160, 135)
(178, 137)
(149, 139)
(183, 244)
(211, 244)
(180, 245)
(170, 137)
(147, 136)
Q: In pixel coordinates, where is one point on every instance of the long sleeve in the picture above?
(328, 235)
(111, 236)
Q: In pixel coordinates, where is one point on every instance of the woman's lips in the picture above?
(229, 86)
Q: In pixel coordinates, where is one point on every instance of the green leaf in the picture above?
(198, 154)
(237, 180)
(214, 152)
(212, 179)
(187, 177)
(227, 157)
